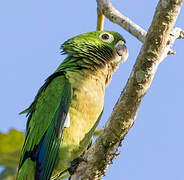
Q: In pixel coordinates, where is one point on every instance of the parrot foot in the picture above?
(74, 164)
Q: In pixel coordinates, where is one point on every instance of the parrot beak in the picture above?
(122, 50)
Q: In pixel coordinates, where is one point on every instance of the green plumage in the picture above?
(74, 94)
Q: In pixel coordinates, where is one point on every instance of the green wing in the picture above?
(47, 116)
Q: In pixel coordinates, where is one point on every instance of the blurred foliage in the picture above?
(10, 146)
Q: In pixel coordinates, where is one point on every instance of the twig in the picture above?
(106, 8)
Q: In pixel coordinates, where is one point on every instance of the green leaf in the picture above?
(10, 147)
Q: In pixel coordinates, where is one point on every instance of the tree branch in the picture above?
(157, 43)
(106, 8)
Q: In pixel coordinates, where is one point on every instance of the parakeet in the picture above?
(67, 108)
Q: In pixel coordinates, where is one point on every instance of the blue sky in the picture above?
(31, 34)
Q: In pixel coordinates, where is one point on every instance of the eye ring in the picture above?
(106, 37)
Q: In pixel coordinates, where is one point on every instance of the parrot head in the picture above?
(98, 50)
(98, 45)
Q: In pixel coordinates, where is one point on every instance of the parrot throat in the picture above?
(87, 66)
(98, 69)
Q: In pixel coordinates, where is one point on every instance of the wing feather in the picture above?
(47, 116)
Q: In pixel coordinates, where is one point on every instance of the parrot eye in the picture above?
(106, 37)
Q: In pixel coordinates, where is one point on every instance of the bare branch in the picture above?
(158, 41)
(176, 33)
(106, 8)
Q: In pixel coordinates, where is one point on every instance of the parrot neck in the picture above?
(88, 67)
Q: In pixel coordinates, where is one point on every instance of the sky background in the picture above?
(31, 33)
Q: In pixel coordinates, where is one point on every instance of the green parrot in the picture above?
(67, 108)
